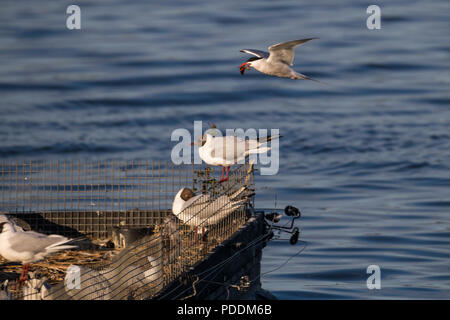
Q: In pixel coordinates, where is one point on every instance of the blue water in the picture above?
(365, 157)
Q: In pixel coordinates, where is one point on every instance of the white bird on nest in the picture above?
(28, 246)
(201, 210)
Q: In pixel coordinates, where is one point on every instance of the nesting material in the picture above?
(55, 266)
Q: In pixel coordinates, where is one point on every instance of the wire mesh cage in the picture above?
(183, 208)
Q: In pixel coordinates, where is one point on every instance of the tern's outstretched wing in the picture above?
(257, 53)
(284, 51)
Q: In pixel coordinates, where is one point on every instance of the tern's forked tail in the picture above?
(299, 76)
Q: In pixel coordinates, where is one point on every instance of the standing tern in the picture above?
(28, 246)
(277, 62)
(229, 150)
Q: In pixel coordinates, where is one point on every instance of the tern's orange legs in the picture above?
(24, 275)
(222, 178)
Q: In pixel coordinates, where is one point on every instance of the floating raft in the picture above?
(226, 270)
(134, 247)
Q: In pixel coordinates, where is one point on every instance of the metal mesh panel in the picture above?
(92, 198)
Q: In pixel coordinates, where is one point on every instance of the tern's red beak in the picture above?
(244, 67)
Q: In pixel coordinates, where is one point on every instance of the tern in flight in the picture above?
(277, 62)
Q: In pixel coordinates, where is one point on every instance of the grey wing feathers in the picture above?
(284, 51)
(36, 242)
(258, 53)
(199, 201)
(289, 44)
(232, 148)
